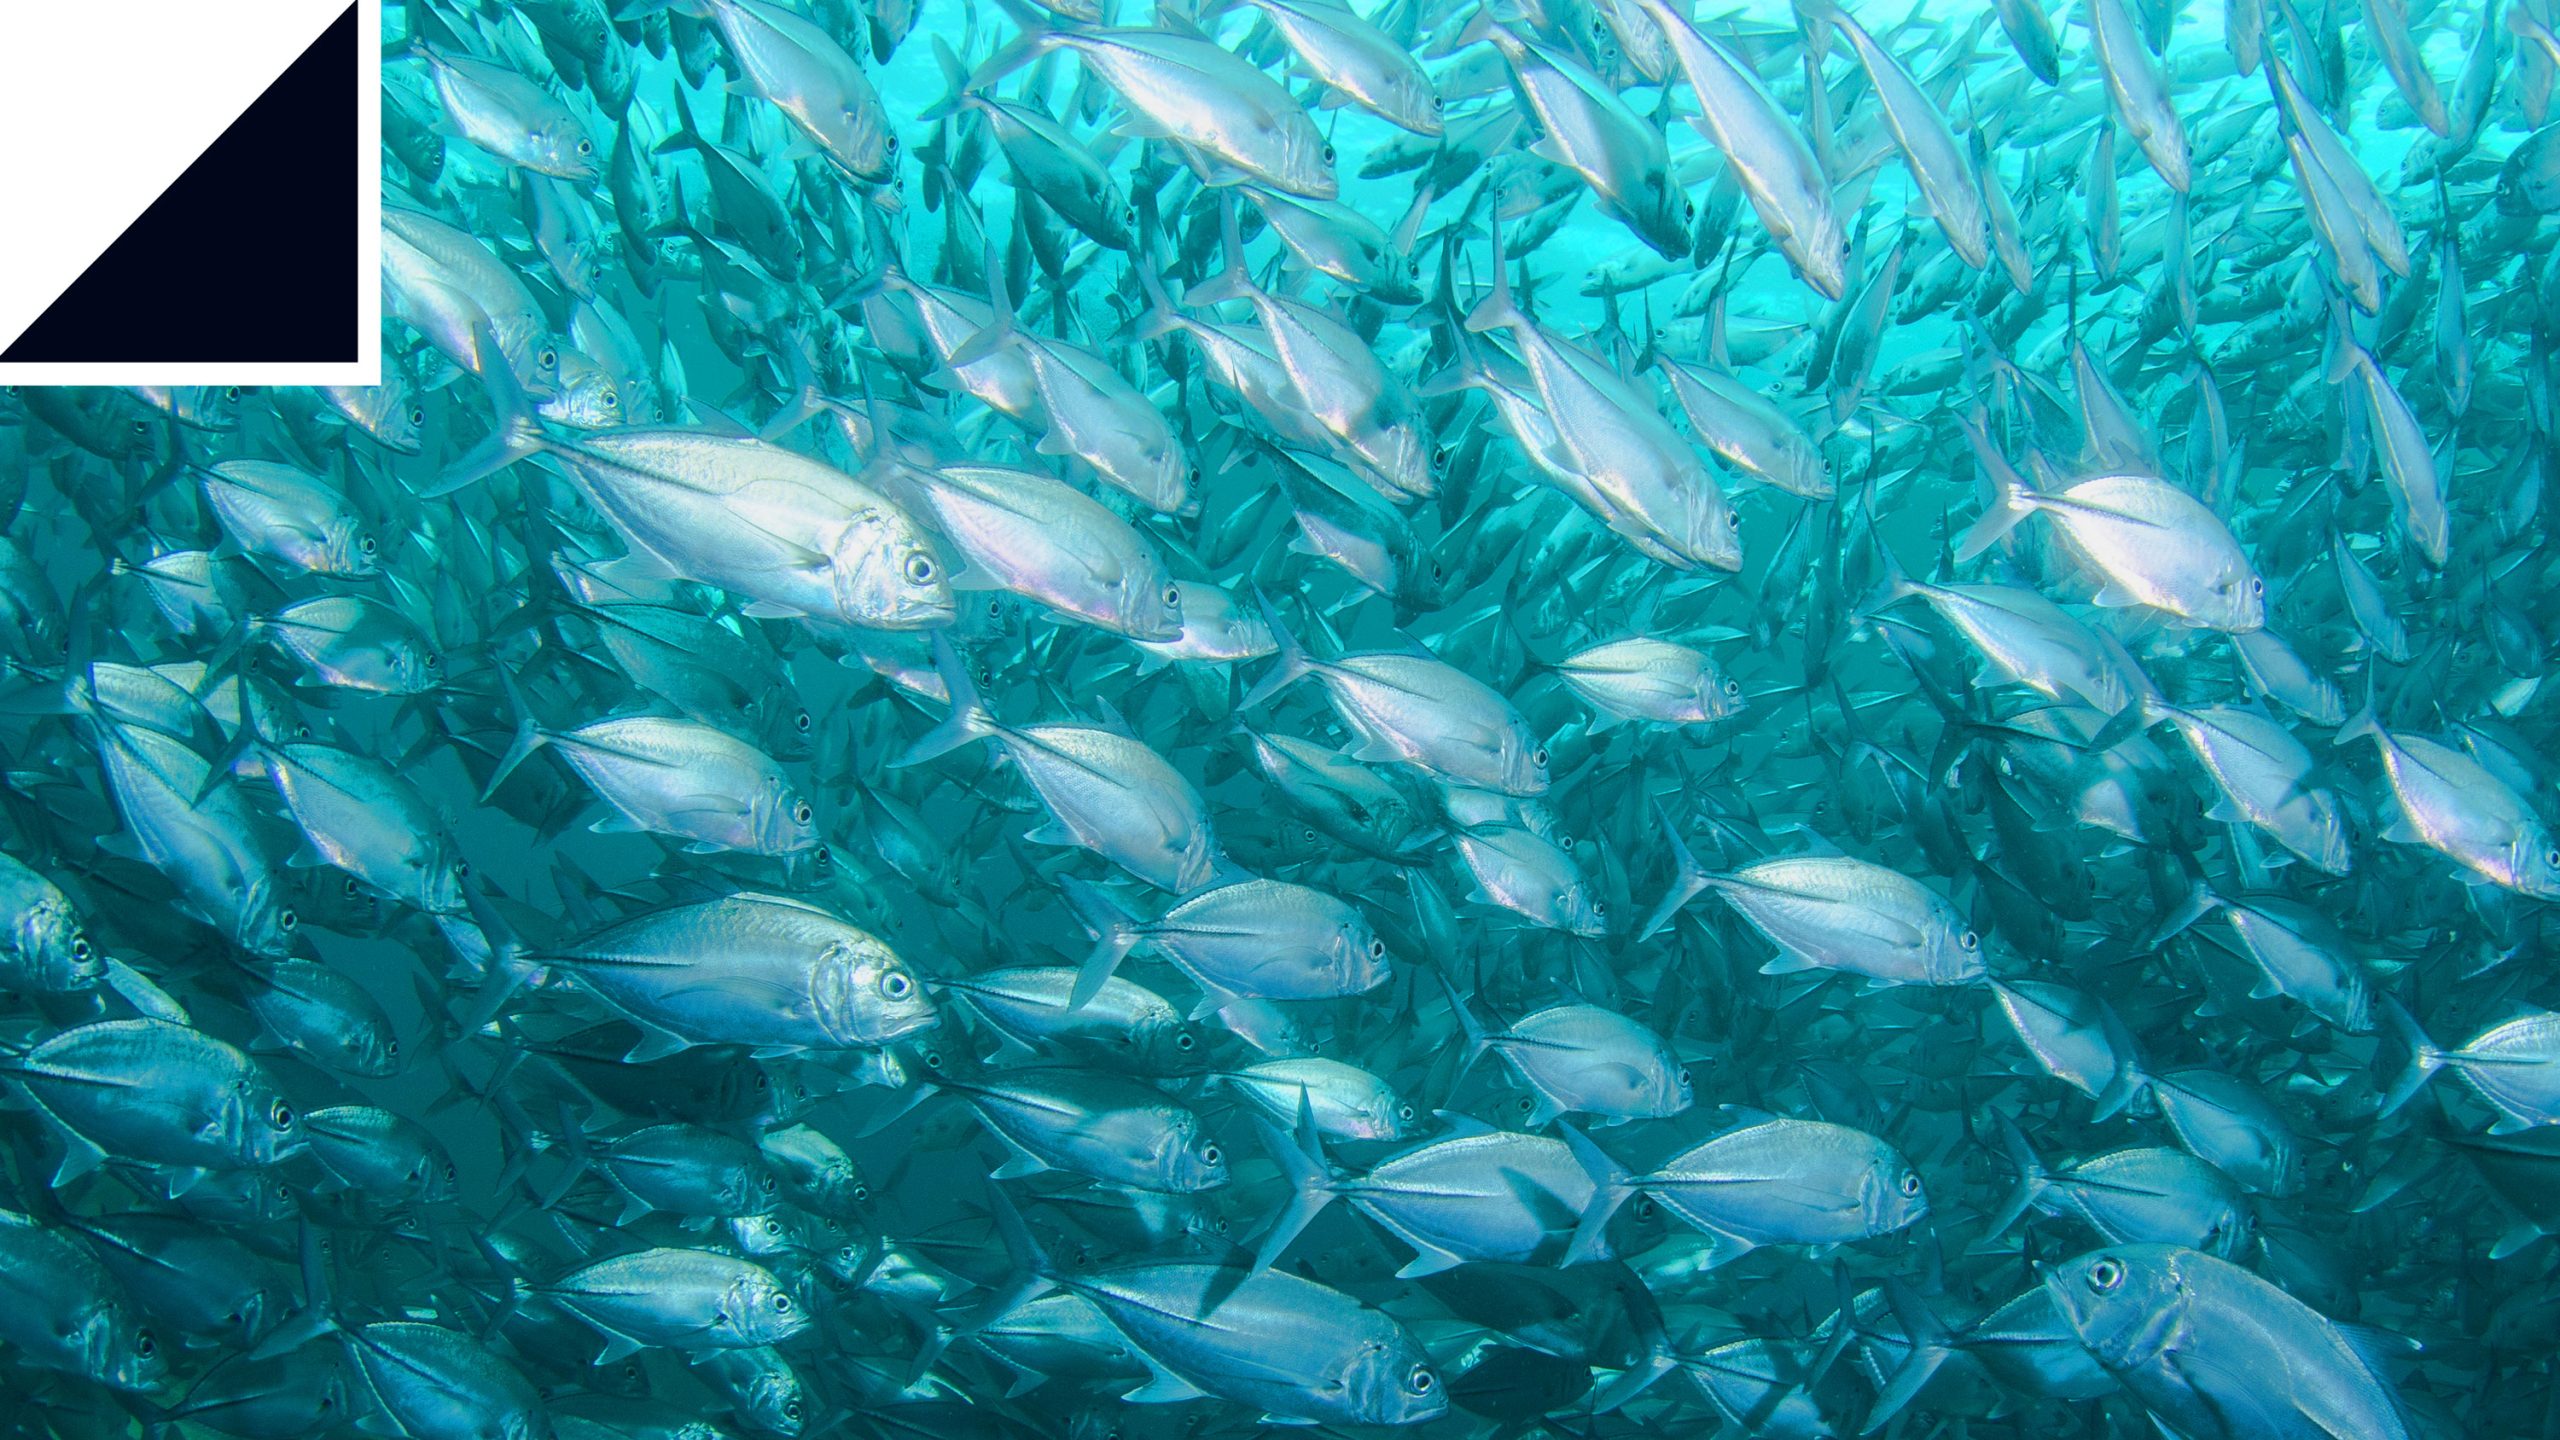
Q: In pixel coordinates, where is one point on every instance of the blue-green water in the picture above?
(1578, 718)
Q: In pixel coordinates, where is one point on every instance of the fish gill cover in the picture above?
(1577, 717)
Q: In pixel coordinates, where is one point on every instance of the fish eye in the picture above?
(1538, 757)
(143, 427)
(417, 415)
(2257, 586)
(1439, 453)
(586, 147)
(1436, 106)
(144, 1345)
(231, 395)
(801, 722)
(368, 545)
(2106, 1275)
(461, 869)
(1733, 517)
(896, 985)
(2549, 857)
(391, 1048)
(800, 813)
(287, 921)
(1377, 949)
(1688, 209)
(1733, 687)
(1684, 1077)
(1173, 595)
(1421, 1380)
(549, 359)
(1186, 1042)
(781, 1304)
(1969, 941)
(80, 947)
(1910, 1182)
(1210, 1154)
(920, 569)
(791, 1411)
(861, 1194)
(280, 1116)
(611, 400)
(1328, 155)
(894, 147)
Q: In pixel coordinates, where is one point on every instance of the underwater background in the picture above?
(1579, 716)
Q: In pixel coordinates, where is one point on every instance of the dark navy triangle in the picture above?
(250, 256)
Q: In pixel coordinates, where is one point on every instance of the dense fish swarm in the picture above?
(1552, 716)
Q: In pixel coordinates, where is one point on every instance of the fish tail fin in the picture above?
(955, 84)
(2200, 902)
(1688, 878)
(2014, 498)
(1159, 319)
(1930, 1346)
(968, 720)
(1036, 1273)
(529, 733)
(1611, 1186)
(517, 433)
(1300, 1155)
(1034, 41)
(999, 331)
(1114, 931)
(1892, 587)
(1234, 282)
(318, 1313)
(1497, 310)
(2364, 724)
(1292, 665)
(2425, 1057)
(2031, 1178)
(1477, 1040)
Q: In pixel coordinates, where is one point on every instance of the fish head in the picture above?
(2113, 1300)
(887, 576)
(762, 1310)
(562, 148)
(2533, 863)
(120, 1351)
(1524, 765)
(1189, 1159)
(350, 551)
(263, 924)
(268, 1129)
(1719, 695)
(2238, 600)
(1390, 1381)
(1359, 956)
(1893, 1196)
(785, 822)
(1580, 911)
(1165, 1045)
(1306, 161)
(1958, 954)
(1821, 253)
(1151, 606)
(857, 137)
(54, 953)
(867, 996)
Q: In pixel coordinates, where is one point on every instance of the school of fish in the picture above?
(1499, 716)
